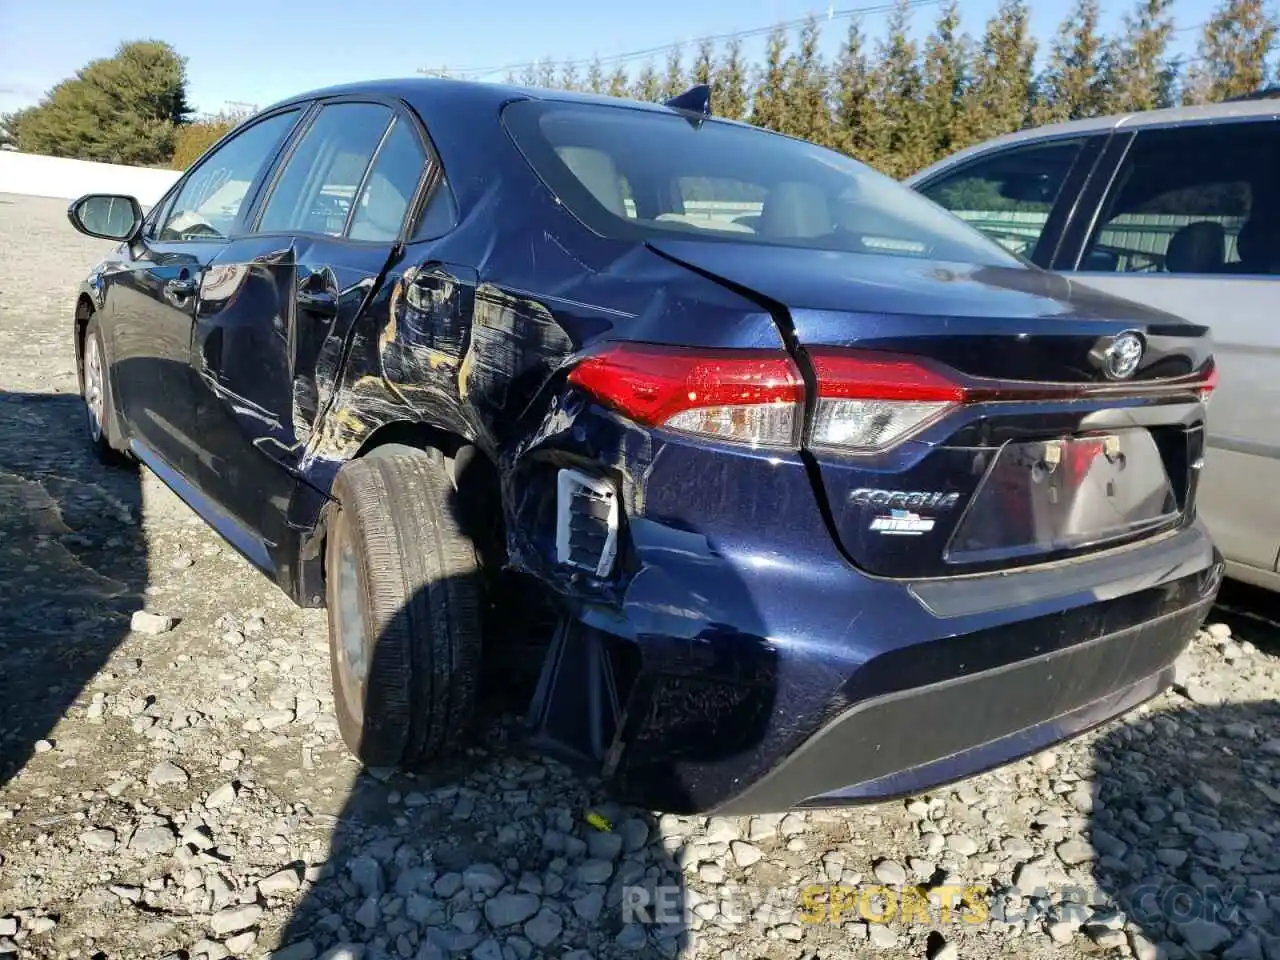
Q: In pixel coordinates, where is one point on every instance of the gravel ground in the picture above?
(173, 785)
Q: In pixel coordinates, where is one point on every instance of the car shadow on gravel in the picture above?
(73, 569)
(1185, 833)
(499, 853)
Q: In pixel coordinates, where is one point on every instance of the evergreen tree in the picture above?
(569, 77)
(999, 101)
(946, 53)
(545, 74)
(703, 64)
(852, 83)
(1139, 73)
(648, 85)
(9, 123)
(121, 109)
(729, 84)
(673, 82)
(529, 75)
(595, 76)
(1233, 52)
(1073, 86)
(768, 103)
(618, 83)
(897, 129)
(808, 113)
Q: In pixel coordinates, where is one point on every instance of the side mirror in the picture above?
(106, 216)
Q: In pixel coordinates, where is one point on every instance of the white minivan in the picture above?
(1178, 209)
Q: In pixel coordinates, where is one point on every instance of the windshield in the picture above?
(629, 173)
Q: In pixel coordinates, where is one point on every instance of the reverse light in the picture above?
(868, 401)
(744, 396)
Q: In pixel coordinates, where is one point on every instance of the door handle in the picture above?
(180, 289)
(321, 302)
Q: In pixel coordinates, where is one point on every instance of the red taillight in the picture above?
(869, 401)
(1209, 384)
(866, 401)
(865, 375)
(747, 396)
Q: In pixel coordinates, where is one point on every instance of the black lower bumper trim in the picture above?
(924, 725)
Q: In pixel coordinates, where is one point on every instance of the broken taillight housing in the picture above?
(745, 396)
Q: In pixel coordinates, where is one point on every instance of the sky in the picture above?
(254, 52)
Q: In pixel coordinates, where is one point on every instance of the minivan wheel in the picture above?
(403, 591)
(95, 388)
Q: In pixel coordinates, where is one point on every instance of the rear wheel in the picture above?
(404, 599)
(99, 406)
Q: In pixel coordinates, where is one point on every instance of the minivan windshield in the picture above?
(631, 173)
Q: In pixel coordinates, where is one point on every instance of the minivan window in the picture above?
(727, 182)
(1194, 200)
(315, 191)
(1009, 194)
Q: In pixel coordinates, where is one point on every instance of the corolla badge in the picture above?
(1120, 359)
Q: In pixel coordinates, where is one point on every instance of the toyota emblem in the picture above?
(1121, 358)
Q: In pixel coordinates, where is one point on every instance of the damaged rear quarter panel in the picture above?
(471, 334)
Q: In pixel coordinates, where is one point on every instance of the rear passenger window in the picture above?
(1008, 195)
(389, 189)
(1194, 200)
(317, 188)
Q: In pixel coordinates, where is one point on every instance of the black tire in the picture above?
(403, 590)
(99, 404)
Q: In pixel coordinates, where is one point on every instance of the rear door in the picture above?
(271, 331)
(1191, 224)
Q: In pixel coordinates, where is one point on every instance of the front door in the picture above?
(154, 310)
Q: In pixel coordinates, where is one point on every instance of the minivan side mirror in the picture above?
(106, 216)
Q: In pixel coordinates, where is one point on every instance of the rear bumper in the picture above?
(918, 739)
(825, 689)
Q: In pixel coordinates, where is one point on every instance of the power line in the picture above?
(618, 59)
(476, 73)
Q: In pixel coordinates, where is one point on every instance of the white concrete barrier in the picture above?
(40, 176)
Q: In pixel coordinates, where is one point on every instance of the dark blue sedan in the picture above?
(803, 492)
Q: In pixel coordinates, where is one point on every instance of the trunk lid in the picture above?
(1021, 435)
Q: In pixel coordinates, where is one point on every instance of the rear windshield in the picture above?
(630, 173)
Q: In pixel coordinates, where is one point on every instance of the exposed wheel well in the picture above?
(475, 481)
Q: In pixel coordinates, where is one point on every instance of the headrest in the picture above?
(795, 210)
(1198, 247)
(598, 173)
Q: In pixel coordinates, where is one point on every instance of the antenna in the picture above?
(695, 101)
